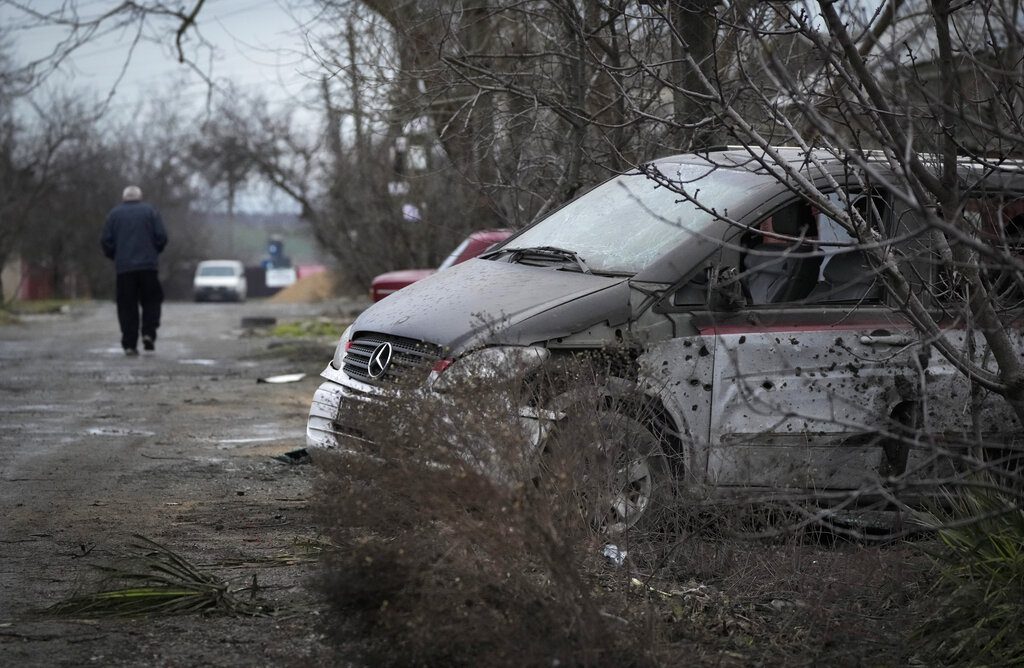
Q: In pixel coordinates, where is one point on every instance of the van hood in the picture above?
(481, 302)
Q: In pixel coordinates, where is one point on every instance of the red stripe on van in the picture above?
(764, 329)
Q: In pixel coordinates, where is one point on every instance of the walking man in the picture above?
(133, 237)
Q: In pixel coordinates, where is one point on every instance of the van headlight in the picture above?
(489, 366)
(339, 352)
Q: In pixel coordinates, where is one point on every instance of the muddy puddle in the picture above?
(261, 433)
(118, 431)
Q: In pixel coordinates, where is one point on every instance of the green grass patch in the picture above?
(304, 329)
(980, 619)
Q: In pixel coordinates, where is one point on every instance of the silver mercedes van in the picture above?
(763, 345)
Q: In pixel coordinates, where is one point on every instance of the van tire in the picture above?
(619, 473)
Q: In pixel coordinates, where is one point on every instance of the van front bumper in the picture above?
(325, 429)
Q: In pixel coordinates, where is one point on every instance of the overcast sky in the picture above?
(255, 44)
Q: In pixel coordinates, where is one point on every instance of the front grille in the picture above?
(411, 360)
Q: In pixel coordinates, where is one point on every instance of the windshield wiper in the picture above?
(541, 251)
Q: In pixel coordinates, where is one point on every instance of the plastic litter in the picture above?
(615, 555)
(299, 456)
(285, 378)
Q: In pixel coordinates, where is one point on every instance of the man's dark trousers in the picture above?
(134, 289)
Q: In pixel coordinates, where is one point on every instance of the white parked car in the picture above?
(220, 279)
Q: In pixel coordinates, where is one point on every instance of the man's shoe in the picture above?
(148, 343)
(131, 352)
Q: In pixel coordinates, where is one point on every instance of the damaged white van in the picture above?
(763, 346)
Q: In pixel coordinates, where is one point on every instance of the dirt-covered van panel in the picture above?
(820, 407)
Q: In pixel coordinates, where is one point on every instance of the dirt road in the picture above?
(173, 445)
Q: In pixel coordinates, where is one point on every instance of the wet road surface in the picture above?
(174, 445)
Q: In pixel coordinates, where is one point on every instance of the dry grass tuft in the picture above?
(157, 581)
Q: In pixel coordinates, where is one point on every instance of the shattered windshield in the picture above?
(625, 224)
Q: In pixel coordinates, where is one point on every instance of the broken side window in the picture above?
(778, 260)
(799, 254)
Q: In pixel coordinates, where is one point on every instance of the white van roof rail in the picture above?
(877, 155)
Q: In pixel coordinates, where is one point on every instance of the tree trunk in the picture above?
(695, 27)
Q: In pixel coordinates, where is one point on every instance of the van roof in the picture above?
(750, 159)
(765, 191)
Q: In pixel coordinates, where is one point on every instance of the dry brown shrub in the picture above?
(464, 545)
(461, 549)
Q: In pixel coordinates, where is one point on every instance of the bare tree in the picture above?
(88, 163)
(82, 23)
(903, 96)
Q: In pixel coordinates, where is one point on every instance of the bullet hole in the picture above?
(839, 341)
(778, 340)
(694, 382)
(704, 352)
(694, 408)
(665, 363)
(799, 371)
(707, 387)
(794, 341)
(687, 344)
(768, 385)
(688, 358)
(743, 340)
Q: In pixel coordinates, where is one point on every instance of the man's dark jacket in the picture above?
(133, 236)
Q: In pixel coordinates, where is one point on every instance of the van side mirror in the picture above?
(724, 290)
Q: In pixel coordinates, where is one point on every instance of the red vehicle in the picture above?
(471, 246)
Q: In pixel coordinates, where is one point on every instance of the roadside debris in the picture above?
(299, 456)
(615, 555)
(285, 378)
(160, 582)
(691, 590)
(117, 431)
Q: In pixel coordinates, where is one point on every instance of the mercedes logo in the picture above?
(379, 360)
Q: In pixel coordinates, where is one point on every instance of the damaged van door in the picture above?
(812, 380)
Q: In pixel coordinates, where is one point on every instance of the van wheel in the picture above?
(618, 471)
